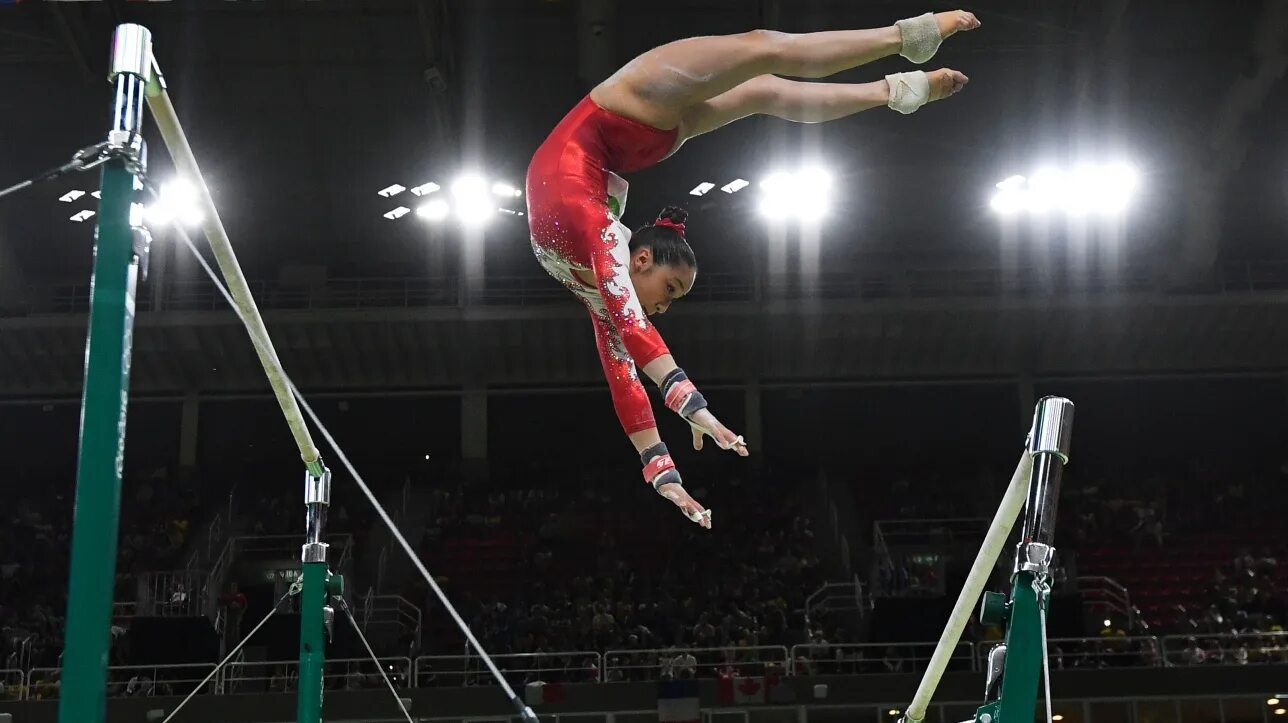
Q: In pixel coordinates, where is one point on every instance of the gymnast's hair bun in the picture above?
(674, 214)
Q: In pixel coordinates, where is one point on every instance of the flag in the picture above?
(677, 702)
(733, 689)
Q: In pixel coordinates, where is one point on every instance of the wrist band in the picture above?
(680, 395)
(659, 469)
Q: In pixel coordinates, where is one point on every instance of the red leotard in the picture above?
(575, 202)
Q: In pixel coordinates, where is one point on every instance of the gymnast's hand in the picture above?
(705, 424)
(689, 506)
(683, 398)
(661, 474)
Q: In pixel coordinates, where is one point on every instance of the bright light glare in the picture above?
(702, 188)
(1104, 189)
(505, 190)
(473, 204)
(178, 202)
(425, 189)
(1272, 701)
(397, 213)
(71, 196)
(80, 216)
(391, 190)
(1057, 717)
(804, 195)
(1108, 622)
(434, 210)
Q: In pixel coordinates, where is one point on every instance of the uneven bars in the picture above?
(177, 143)
(998, 532)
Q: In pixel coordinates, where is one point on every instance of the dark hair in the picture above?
(667, 242)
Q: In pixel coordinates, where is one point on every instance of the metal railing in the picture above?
(969, 282)
(175, 593)
(910, 555)
(288, 546)
(1094, 653)
(1104, 593)
(1226, 649)
(576, 666)
(874, 658)
(214, 535)
(242, 676)
(12, 684)
(391, 611)
(337, 674)
(128, 680)
(215, 582)
(834, 596)
(26, 651)
(663, 663)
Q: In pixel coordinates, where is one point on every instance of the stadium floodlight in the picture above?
(392, 190)
(505, 190)
(1102, 189)
(474, 205)
(735, 185)
(433, 210)
(701, 189)
(70, 196)
(804, 195)
(178, 202)
(425, 189)
(396, 213)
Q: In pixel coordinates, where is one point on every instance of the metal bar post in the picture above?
(120, 249)
(316, 616)
(1013, 667)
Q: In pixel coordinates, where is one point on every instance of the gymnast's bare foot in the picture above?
(955, 21)
(945, 82)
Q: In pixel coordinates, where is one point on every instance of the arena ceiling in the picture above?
(300, 110)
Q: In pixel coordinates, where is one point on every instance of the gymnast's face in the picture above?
(657, 285)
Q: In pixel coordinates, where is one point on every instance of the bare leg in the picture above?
(658, 86)
(801, 102)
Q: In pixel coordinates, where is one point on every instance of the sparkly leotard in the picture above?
(575, 203)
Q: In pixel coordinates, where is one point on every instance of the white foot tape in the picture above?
(908, 91)
(920, 37)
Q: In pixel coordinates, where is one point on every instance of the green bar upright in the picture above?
(102, 450)
(119, 248)
(313, 597)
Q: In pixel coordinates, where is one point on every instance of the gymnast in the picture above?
(643, 114)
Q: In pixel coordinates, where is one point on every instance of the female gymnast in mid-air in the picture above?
(641, 115)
